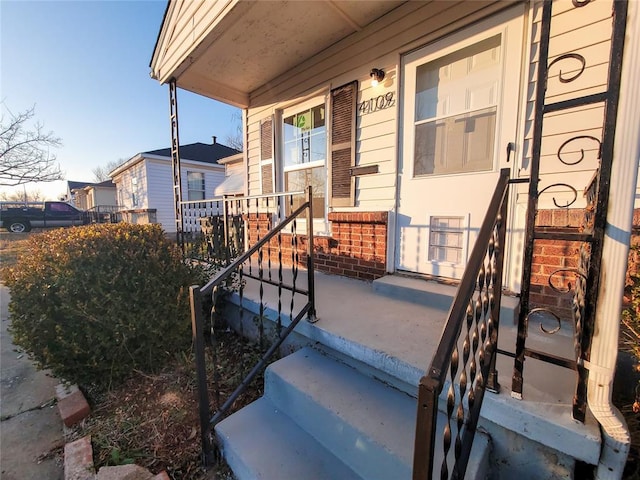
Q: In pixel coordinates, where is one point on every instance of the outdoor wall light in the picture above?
(377, 75)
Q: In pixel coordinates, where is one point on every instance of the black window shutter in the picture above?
(343, 144)
(266, 155)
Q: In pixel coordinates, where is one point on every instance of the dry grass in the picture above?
(11, 246)
(152, 420)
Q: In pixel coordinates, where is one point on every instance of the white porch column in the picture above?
(604, 348)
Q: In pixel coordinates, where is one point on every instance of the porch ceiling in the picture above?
(252, 42)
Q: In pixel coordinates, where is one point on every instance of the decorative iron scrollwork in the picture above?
(554, 315)
(568, 204)
(575, 56)
(573, 139)
(569, 270)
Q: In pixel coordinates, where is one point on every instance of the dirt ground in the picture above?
(152, 420)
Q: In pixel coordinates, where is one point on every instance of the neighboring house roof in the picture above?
(106, 184)
(199, 152)
(72, 185)
(77, 185)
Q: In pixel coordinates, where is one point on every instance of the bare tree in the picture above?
(24, 196)
(24, 152)
(101, 173)
(235, 140)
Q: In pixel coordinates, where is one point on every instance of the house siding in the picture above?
(190, 22)
(585, 31)
(102, 196)
(161, 198)
(155, 189)
(160, 180)
(410, 26)
(124, 187)
(351, 59)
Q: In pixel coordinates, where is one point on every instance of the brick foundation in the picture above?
(357, 246)
(551, 255)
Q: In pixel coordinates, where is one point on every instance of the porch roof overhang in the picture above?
(229, 48)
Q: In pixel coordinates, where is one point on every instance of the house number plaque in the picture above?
(377, 103)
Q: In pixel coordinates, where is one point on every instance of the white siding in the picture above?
(161, 192)
(103, 196)
(125, 187)
(380, 45)
(161, 187)
(191, 20)
(585, 31)
(155, 186)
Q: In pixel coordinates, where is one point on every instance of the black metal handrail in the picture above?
(483, 278)
(212, 287)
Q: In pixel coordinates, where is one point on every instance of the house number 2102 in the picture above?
(377, 103)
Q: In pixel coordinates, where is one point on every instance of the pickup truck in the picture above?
(20, 217)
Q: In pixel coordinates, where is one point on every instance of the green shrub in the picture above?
(92, 303)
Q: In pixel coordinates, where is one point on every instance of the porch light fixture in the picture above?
(377, 75)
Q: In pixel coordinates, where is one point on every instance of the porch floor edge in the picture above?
(398, 338)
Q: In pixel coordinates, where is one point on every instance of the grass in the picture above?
(152, 420)
(11, 246)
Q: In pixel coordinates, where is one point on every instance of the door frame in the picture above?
(514, 24)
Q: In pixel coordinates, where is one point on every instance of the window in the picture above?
(195, 186)
(134, 191)
(61, 207)
(305, 152)
(456, 100)
(446, 239)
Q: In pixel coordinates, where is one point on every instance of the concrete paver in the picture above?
(30, 426)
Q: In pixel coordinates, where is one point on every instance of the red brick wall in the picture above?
(551, 255)
(357, 246)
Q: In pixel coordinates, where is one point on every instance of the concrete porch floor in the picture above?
(397, 336)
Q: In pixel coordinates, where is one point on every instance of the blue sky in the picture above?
(85, 67)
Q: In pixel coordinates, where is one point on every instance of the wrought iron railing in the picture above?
(466, 355)
(271, 227)
(575, 149)
(104, 214)
(217, 230)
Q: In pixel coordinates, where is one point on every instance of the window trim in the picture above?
(417, 58)
(204, 186)
(320, 225)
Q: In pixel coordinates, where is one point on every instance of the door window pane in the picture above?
(456, 100)
(461, 143)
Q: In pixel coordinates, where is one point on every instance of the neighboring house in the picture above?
(401, 115)
(234, 176)
(144, 183)
(86, 195)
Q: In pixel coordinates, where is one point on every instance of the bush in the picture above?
(92, 303)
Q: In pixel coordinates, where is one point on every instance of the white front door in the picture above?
(460, 110)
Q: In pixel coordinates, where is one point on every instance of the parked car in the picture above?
(21, 217)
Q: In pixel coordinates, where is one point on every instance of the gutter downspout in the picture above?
(604, 348)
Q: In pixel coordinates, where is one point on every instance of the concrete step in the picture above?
(261, 442)
(366, 424)
(434, 294)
